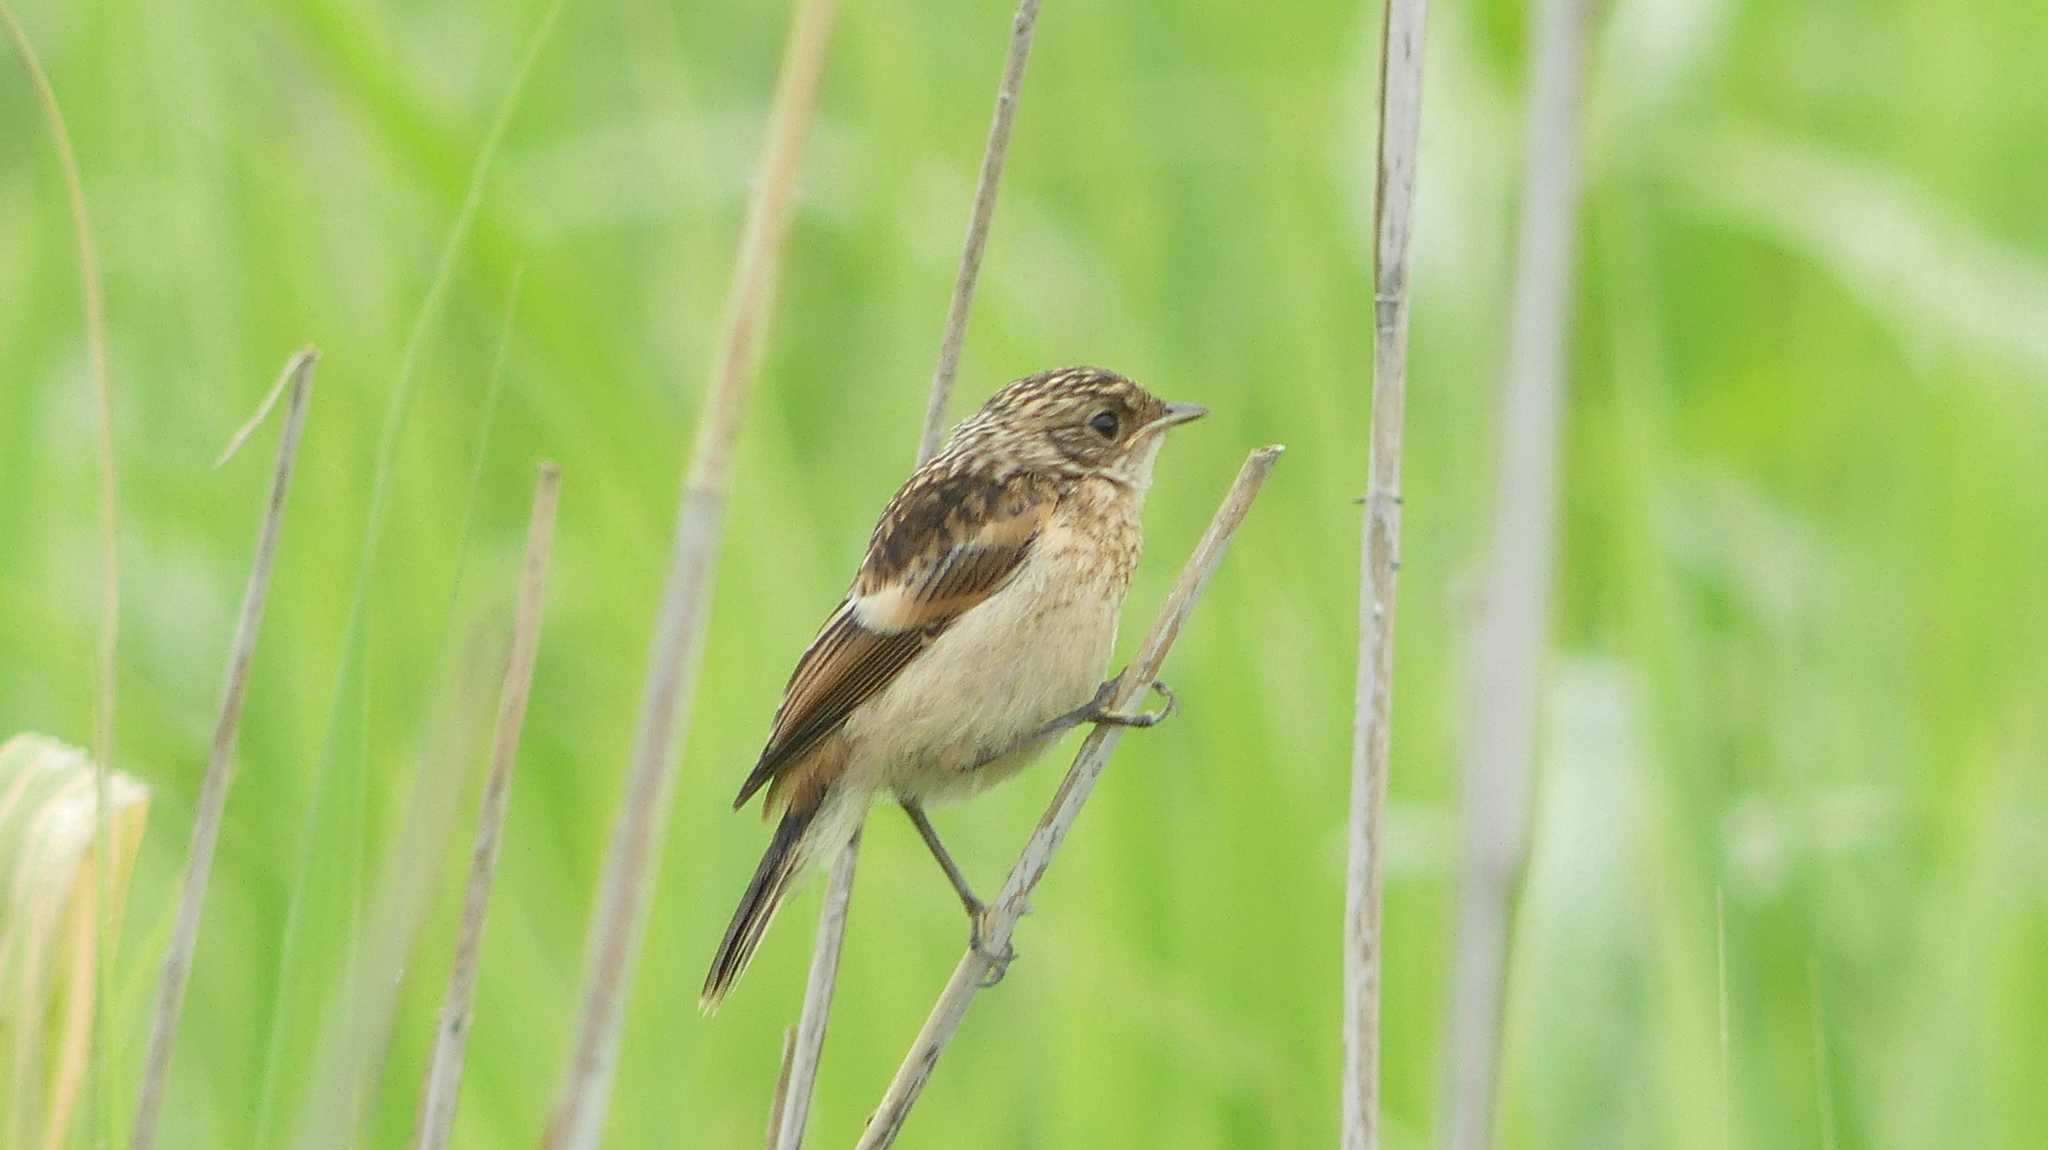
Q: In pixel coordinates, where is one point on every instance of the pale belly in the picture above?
(1032, 652)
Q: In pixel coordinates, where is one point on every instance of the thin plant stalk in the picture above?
(1506, 655)
(774, 1138)
(451, 1036)
(793, 1102)
(978, 219)
(620, 919)
(297, 379)
(352, 1043)
(972, 972)
(1401, 43)
(352, 1048)
(397, 408)
(105, 673)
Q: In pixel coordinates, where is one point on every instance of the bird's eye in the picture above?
(1105, 424)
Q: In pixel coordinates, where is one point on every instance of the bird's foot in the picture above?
(977, 941)
(1099, 712)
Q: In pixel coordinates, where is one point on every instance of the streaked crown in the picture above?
(1073, 421)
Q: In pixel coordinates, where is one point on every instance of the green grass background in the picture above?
(1799, 631)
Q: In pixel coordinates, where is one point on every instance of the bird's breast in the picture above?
(1033, 651)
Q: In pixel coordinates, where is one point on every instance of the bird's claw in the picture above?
(1103, 715)
(977, 941)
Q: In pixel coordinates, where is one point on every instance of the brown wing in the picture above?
(947, 542)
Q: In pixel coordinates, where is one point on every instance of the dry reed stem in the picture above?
(1506, 656)
(971, 974)
(792, 1105)
(451, 1038)
(620, 918)
(1401, 42)
(396, 410)
(297, 379)
(110, 559)
(831, 935)
(353, 1042)
(774, 1138)
(986, 186)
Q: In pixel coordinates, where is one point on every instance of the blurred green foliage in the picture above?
(1801, 632)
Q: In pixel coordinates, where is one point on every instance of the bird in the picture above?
(977, 630)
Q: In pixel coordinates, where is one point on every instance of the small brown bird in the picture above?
(977, 630)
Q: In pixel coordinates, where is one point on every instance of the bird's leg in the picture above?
(975, 907)
(977, 910)
(1095, 710)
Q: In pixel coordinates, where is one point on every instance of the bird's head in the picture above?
(1077, 421)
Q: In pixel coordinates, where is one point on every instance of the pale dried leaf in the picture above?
(48, 908)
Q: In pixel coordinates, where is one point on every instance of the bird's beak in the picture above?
(1179, 413)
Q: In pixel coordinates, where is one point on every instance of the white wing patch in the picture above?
(890, 610)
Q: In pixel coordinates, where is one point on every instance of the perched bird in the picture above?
(978, 629)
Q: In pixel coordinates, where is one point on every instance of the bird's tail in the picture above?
(772, 881)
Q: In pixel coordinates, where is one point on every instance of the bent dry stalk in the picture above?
(792, 1106)
(974, 968)
(620, 918)
(327, 770)
(220, 768)
(451, 1036)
